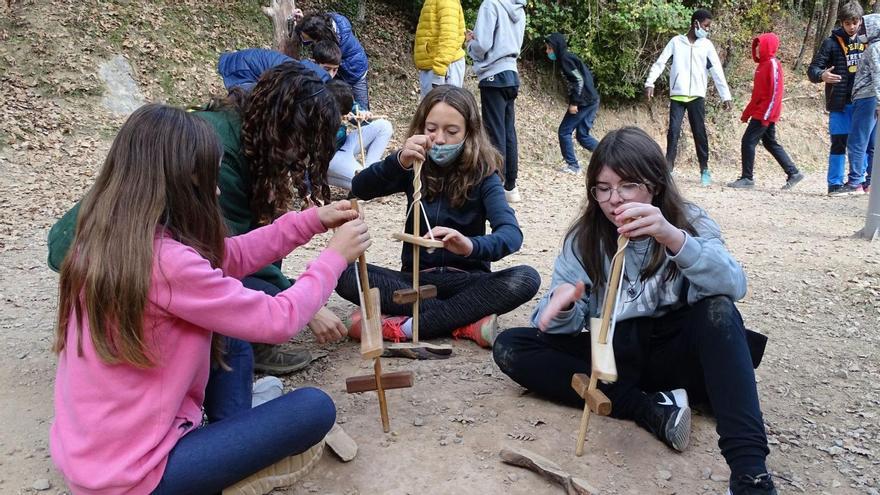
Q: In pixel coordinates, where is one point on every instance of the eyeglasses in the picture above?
(626, 191)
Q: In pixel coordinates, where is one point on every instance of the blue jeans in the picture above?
(861, 136)
(361, 93)
(229, 391)
(580, 123)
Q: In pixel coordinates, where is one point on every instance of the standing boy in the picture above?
(494, 46)
(437, 52)
(693, 56)
(764, 109)
(583, 102)
(836, 63)
(860, 143)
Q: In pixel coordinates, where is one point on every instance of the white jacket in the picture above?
(688, 73)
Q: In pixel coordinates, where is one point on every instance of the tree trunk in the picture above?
(876, 8)
(821, 10)
(797, 63)
(830, 19)
(362, 10)
(281, 13)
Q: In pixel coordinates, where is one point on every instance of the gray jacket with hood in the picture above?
(867, 80)
(703, 260)
(498, 33)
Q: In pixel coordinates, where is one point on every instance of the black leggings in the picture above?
(462, 297)
(701, 348)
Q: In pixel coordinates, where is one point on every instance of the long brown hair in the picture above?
(161, 173)
(478, 159)
(288, 136)
(634, 156)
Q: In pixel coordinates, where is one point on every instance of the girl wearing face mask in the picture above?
(461, 190)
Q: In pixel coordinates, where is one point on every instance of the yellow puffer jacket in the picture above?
(439, 35)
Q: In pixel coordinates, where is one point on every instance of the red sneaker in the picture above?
(391, 327)
(482, 331)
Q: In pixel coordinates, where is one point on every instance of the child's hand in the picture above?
(336, 213)
(351, 240)
(327, 327)
(727, 104)
(829, 77)
(469, 36)
(572, 109)
(564, 296)
(415, 149)
(640, 219)
(453, 240)
(649, 93)
(297, 15)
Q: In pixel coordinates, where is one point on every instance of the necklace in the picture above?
(632, 281)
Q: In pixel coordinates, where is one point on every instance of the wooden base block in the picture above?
(367, 383)
(580, 382)
(419, 241)
(435, 348)
(409, 296)
(599, 403)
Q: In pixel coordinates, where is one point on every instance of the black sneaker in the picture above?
(837, 190)
(669, 418)
(272, 360)
(761, 484)
(742, 183)
(792, 181)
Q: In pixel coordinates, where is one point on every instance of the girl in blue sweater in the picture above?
(461, 190)
(679, 337)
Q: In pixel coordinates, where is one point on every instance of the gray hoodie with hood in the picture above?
(499, 31)
(867, 81)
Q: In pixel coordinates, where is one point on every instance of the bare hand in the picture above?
(649, 93)
(572, 109)
(297, 15)
(640, 219)
(728, 105)
(336, 213)
(829, 77)
(415, 149)
(469, 36)
(327, 327)
(350, 240)
(564, 296)
(453, 241)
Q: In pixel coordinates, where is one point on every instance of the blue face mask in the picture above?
(551, 55)
(700, 32)
(444, 154)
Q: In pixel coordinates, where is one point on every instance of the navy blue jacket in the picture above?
(354, 59)
(244, 67)
(581, 88)
(486, 202)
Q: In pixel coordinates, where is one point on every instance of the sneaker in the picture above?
(573, 169)
(761, 484)
(836, 190)
(483, 331)
(266, 389)
(792, 180)
(512, 195)
(391, 327)
(741, 183)
(669, 418)
(705, 178)
(283, 473)
(866, 188)
(272, 360)
(853, 189)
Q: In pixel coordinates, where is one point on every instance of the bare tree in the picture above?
(281, 13)
(830, 19)
(797, 63)
(362, 10)
(876, 7)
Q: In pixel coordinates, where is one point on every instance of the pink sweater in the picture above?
(115, 424)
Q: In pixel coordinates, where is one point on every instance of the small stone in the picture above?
(41, 485)
(835, 450)
(512, 476)
(835, 484)
(842, 374)
(664, 475)
(443, 443)
(707, 473)
(418, 421)
(718, 478)
(457, 440)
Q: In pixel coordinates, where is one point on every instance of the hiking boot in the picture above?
(668, 417)
(836, 190)
(483, 331)
(761, 484)
(705, 178)
(866, 187)
(283, 473)
(391, 327)
(742, 183)
(513, 195)
(853, 189)
(272, 360)
(572, 168)
(792, 180)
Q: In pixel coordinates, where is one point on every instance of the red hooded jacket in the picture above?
(766, 102)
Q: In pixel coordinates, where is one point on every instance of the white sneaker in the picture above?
(266, 389)
(513, 195)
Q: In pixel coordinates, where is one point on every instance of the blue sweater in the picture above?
(485, 202)
(244, 67)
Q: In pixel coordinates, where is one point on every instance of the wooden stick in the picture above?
(383, 404)
(390, 381)
(361, 143)
(585, 420)
(417, 218)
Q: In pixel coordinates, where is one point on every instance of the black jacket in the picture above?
(843, 53)
(581, 89)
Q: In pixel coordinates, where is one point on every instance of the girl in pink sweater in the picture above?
(149, 286)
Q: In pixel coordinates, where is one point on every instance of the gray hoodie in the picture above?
(703, 260)
(867, 81)
(499, 31)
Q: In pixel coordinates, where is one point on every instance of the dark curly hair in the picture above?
(289, 123)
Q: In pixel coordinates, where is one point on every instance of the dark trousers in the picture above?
(580, 123)
(701, 348)
(767, 136)
(499, 119)
(462, 297)
(696, 112)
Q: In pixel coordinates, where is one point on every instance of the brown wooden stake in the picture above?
(383, 404)
(417, 219)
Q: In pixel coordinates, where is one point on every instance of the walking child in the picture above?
(462, 190)
(583, 101)
(763, 112)
(146, 294)
(679, 337)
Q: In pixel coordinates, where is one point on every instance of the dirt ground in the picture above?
(814, 290)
